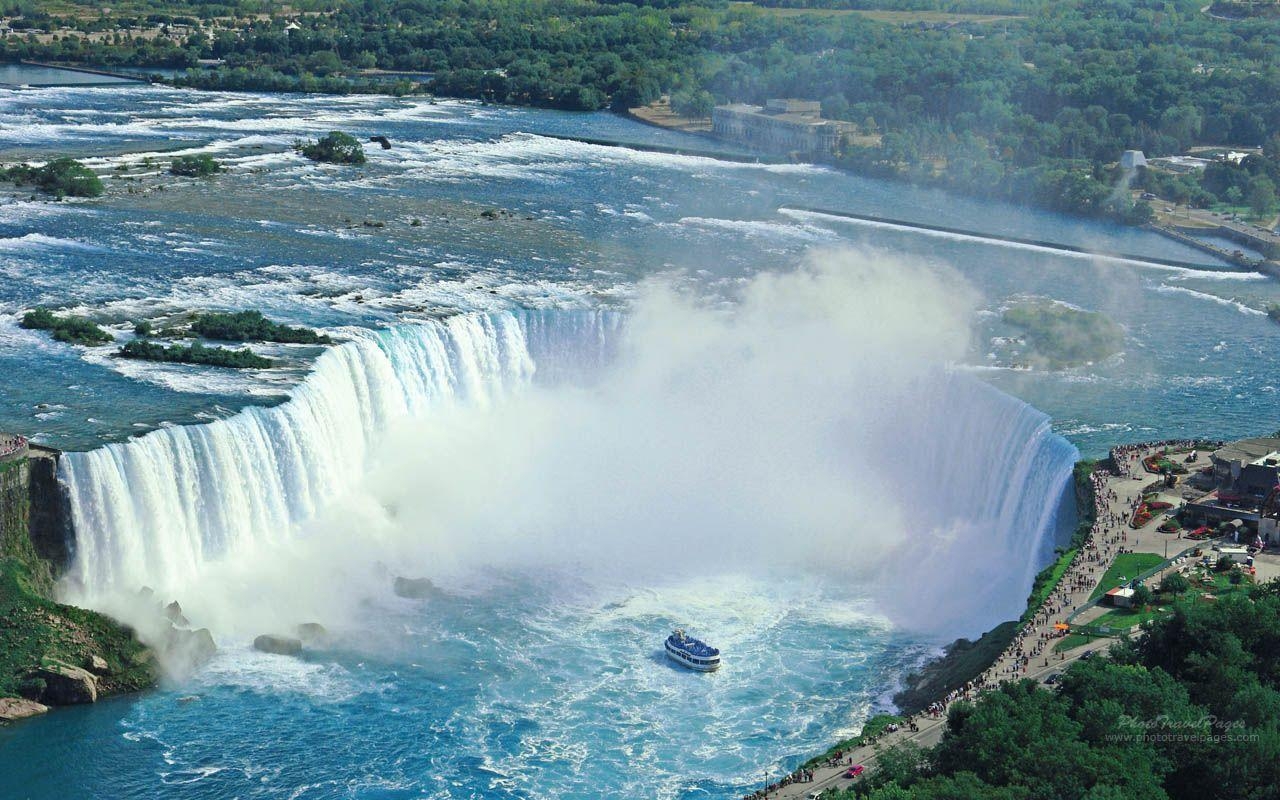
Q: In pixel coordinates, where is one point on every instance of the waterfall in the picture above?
(991, 481)
(158, 507)
(979, 475)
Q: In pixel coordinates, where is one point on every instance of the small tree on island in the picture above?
(334, 147)
(197, 166)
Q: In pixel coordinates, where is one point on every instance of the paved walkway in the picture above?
(1031, 653)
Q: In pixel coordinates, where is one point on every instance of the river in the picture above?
(532, 675)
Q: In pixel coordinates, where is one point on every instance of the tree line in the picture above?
(1186, 711)
(1032, 108)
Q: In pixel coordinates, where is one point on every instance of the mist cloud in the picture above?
(786, 433)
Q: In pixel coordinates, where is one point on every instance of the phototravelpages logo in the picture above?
(1162, 728)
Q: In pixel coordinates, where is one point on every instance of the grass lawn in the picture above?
(1125, 568)
(1071, 642)
(1120, 620)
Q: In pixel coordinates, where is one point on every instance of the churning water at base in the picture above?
(521, 683)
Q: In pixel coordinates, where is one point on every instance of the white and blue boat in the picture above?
(692, 653)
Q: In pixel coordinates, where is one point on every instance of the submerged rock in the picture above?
(66, 685)
(279, 645)
(415, 588)
(14, 708)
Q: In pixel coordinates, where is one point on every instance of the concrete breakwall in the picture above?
(995, 237)
(1187, 236)
(719, 155)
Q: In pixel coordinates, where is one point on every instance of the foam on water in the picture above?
(1213, 298)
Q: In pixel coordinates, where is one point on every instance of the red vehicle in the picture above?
(854, 771)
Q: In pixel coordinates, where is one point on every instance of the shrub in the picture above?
(1175, 583)
(197, 166)
(334, 148)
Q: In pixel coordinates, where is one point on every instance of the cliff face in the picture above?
(15, 521)
(50, 653)
(49, 524)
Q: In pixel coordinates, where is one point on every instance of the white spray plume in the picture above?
(786, 433)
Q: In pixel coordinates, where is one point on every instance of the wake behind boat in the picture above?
(692, 653)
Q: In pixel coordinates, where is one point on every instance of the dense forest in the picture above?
(1190, 710)
(1034, 104)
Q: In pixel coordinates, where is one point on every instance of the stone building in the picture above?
(780, 126)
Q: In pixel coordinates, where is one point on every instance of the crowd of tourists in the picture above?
(1108, 538)
(10, 444)
(1123, 455)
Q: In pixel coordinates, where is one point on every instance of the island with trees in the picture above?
(222, 326)
(334, 147)
(1060, 336)
(68, 328)
(252, 326)
(195, 166)
(61, 177)
(195, 353)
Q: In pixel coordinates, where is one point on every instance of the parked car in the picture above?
(1052, 679)
(854, 771)
(1088, 655)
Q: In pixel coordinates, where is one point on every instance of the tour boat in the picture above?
(692, 653)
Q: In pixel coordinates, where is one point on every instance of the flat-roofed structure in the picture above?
(782, 125)
(1247, 467)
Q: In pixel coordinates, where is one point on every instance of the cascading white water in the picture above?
(978, 473)
(990, 480)
(156, 508)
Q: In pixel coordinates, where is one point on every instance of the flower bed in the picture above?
(1159, 464)
(1170, 526)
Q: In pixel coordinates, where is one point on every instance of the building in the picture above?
(1183, 165)
(1121, 597)
(1132, 159)
(781, 126)
(1247, 467)
(1244, 473)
